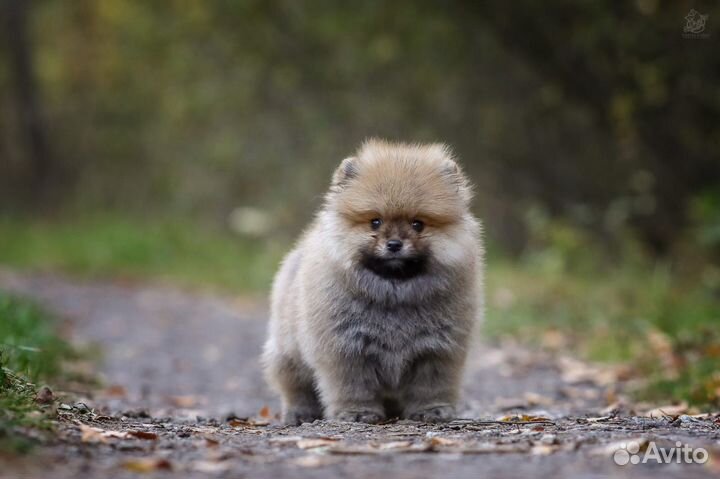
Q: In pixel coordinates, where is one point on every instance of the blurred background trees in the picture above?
(596, 112)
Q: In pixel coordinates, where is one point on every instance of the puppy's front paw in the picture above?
(433, 414)
(295, 417)
(370, 417)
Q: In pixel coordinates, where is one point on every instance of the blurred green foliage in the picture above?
(657, 316)
(30, 351)
(164, 249)
(28, 341)
(600, 112)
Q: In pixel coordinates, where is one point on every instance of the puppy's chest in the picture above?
(381, 331)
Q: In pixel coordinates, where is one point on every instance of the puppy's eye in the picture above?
(418, 225)
(375, 223)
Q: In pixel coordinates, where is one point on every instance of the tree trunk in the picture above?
(31, 126)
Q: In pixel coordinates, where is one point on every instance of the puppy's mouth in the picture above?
(395, 267)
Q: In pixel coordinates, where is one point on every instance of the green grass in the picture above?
(660, 319)
(30, 352)
(163, 250)
(656, 317)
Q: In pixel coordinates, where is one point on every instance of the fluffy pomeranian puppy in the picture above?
(373, 311)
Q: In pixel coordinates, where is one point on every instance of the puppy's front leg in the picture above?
(350, 389)
(431, 387)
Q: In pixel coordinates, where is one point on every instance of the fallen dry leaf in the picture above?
(543, 449)
(95, 434)
(437, 441)
(314, 460)
(524, 418)
(609, 449)
(704, 416)
(574, 371)
(312, 443)
(245, 422)
(613, 409)
(183, 401)
(265, 413)
(352, 449)
(384, 446)
(202, 429)
(146, 435)
(147, 464)
(91, 434)
(211, 467)
(674, 411)
(598, 419)
(378, 448)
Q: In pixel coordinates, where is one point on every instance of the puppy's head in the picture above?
(399, 209)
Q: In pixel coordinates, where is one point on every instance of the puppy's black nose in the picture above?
(394, 245)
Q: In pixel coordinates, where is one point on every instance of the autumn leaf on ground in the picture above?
(146, 435)
(394, 445)
(598, 418)
(147, 464)
(437, 441)
(95, 434)
(524, 418)
(246, 422)
(379, 448)
(575, 371)
(211, 467)
(544, 449)
(673, 411)
(608, 450)
(186, 401)
(312, 443)
(314, 460)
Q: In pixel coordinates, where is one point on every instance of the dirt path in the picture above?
(178, 365)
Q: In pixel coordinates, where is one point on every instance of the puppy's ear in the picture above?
(454, 174)
(346, 172)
